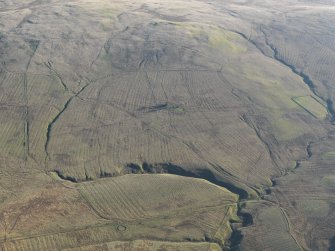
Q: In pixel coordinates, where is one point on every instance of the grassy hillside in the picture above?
(170, 125)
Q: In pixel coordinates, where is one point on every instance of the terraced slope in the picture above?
(188, 125)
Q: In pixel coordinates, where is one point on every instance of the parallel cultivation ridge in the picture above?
(167, 125)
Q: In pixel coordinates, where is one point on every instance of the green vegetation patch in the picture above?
(217, 37)
(329, 181)
(312, 106)
(221, 38)
(275, 98)
(328, 155)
